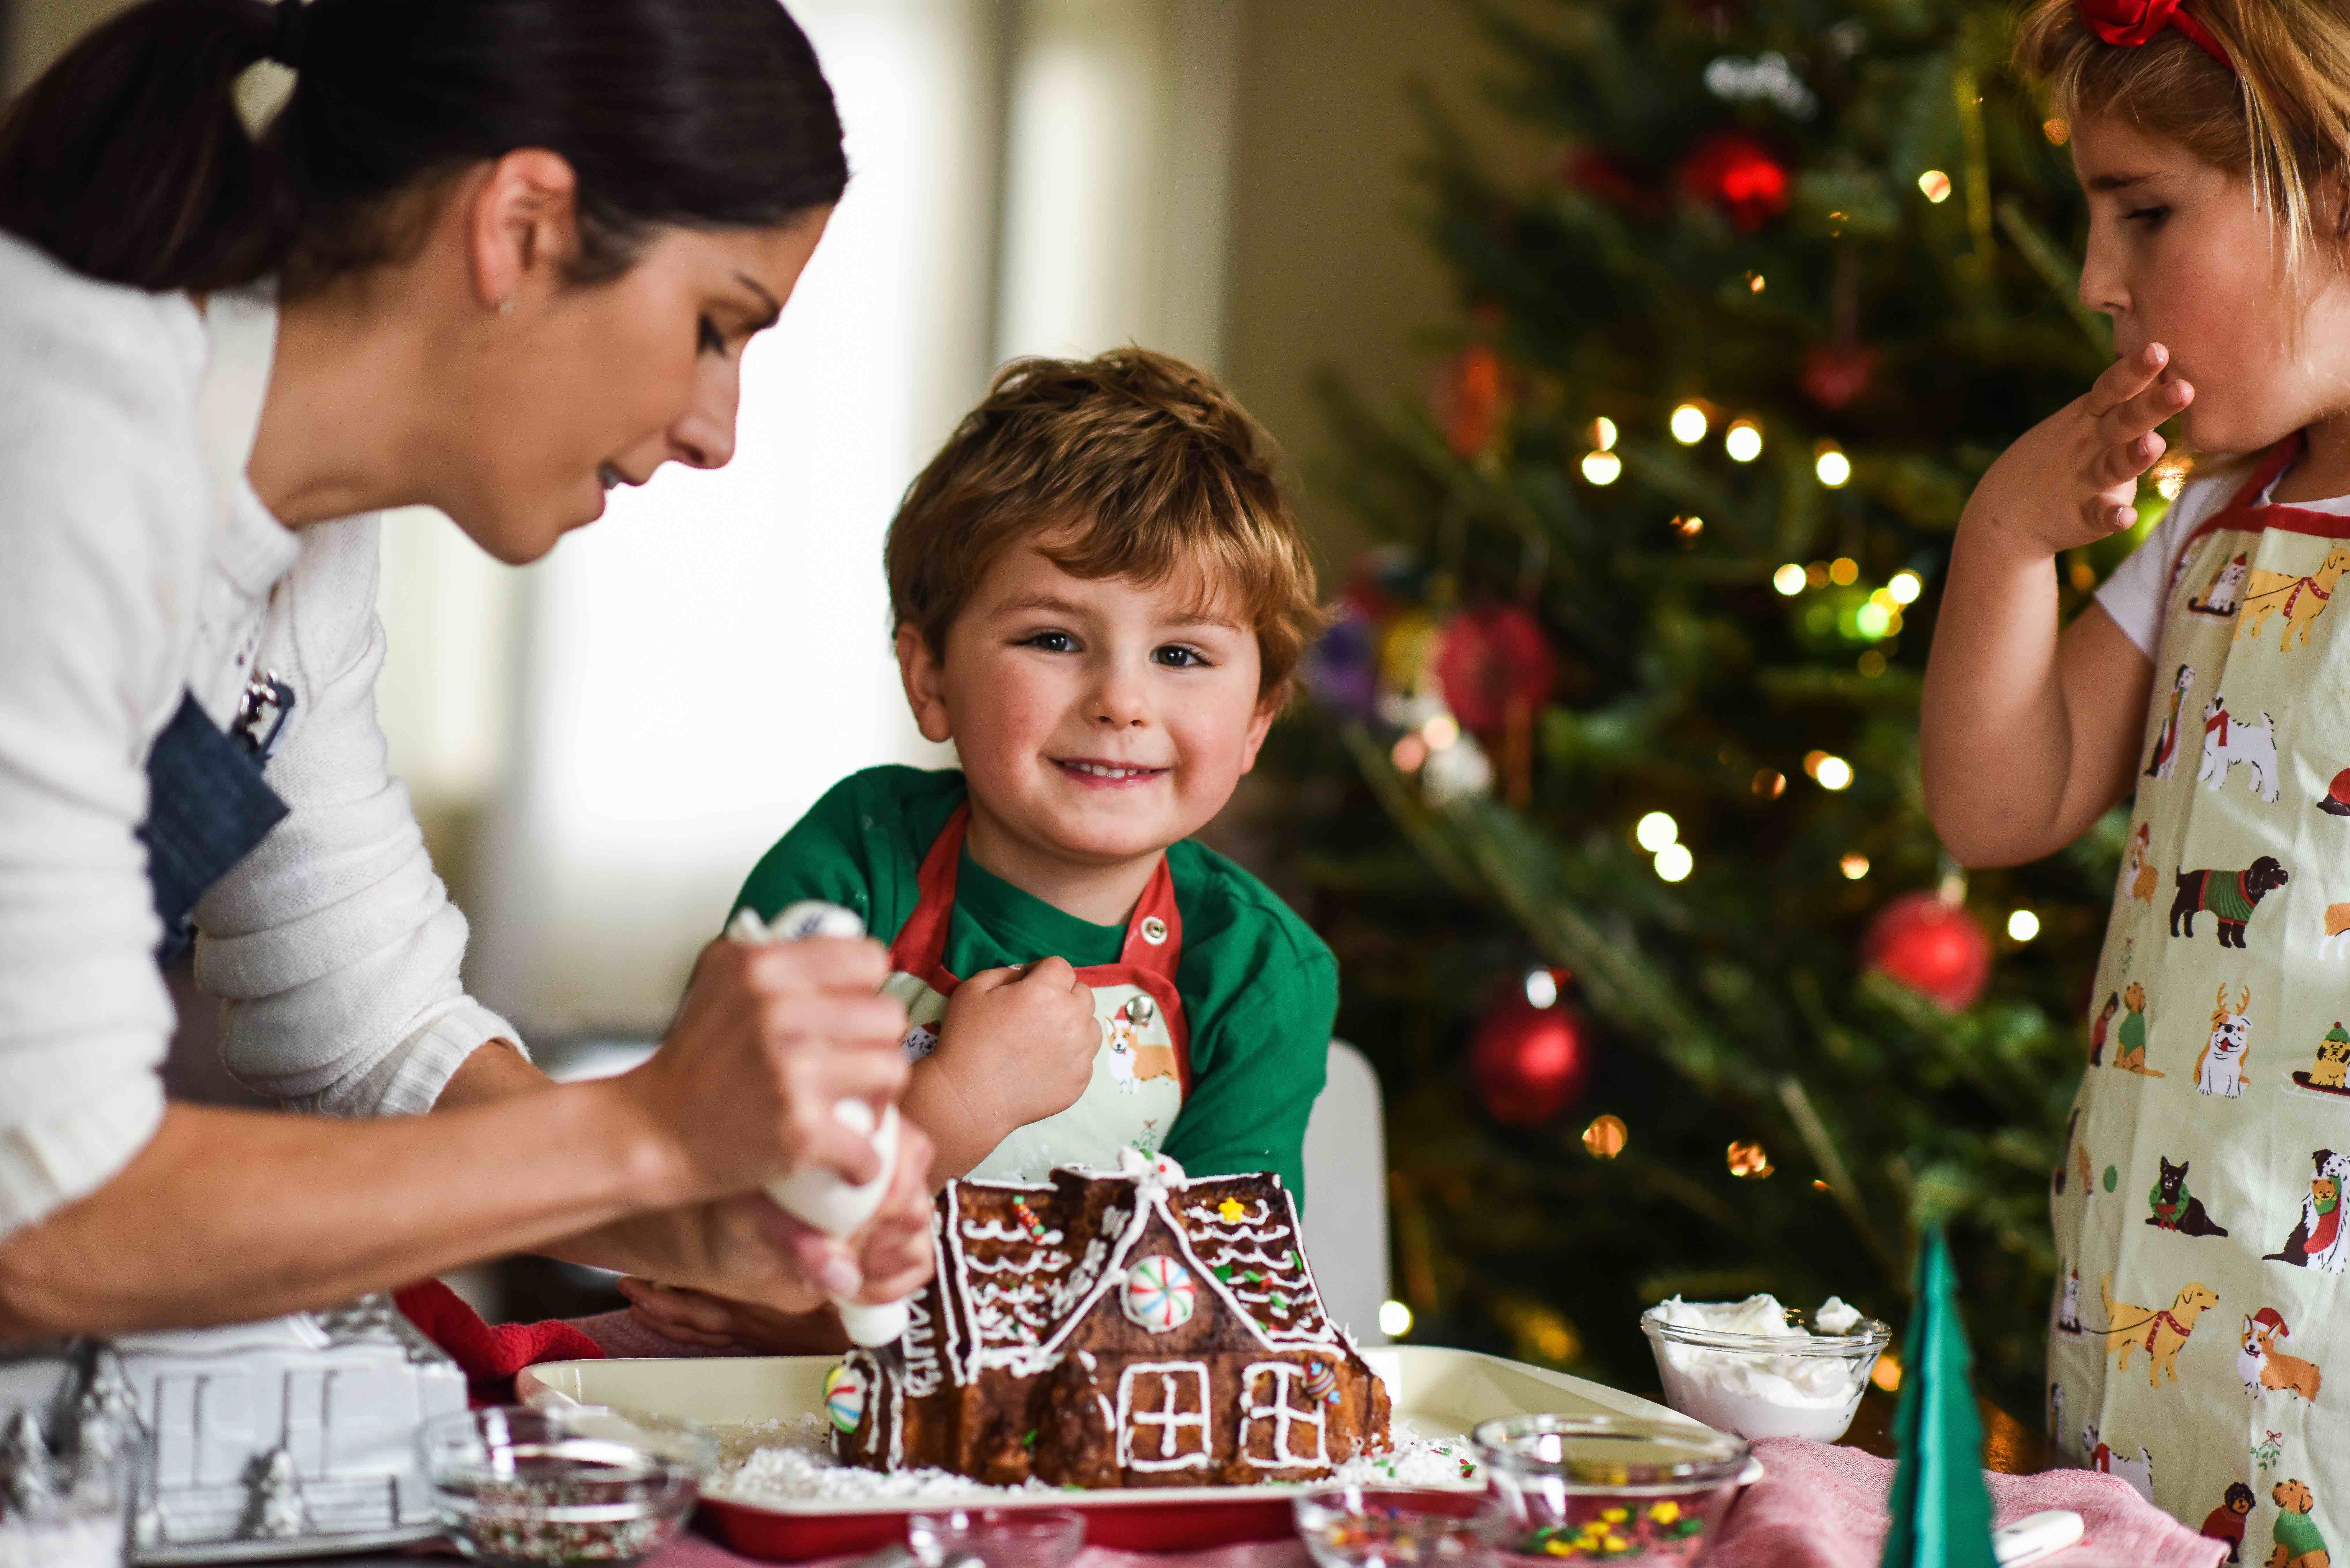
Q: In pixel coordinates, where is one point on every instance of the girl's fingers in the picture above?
(2124, 378)
(2118, 465)
(2136, 415)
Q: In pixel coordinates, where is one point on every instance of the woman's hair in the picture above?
(128, 160)
(2280, 117)
(1133, 465)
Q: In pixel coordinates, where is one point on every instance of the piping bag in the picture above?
(817, 1197)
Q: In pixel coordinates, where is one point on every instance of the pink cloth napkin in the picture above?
(1824, 1507)
(691, 1550)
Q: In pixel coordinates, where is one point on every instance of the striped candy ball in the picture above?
(1160, 1293)
(843, 1397)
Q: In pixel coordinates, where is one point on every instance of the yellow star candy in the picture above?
(1665, 1512)
(1232, 1212)
(1615, 1515)
(1616, 1543)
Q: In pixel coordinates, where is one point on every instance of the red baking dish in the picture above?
(1437, 1394)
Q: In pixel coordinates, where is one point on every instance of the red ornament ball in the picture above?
(1835, 377)
(1530, 1062)
(1737, 173)
(1471, 399)
(1494, 664)
(1937, 949)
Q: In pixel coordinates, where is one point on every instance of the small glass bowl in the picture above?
(1396, 1527)
(1608, 1488)
(1795, 1386)
(520, 1487)
(998, 1537)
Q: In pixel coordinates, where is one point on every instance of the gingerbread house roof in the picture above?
(1024, 1265)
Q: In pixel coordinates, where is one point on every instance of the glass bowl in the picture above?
(998, 1537)
(547, 1489)
(1804, 1385)
(1608, 1488)
(1393, 1527)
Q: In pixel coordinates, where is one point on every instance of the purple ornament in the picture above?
(1342, 670)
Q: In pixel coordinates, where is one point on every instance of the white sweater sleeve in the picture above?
(333, 944)
(103, 509)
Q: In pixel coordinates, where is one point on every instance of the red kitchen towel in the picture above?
(490, 1354)
(1822, 1507)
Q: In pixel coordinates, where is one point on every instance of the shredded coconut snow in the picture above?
(788, 1462)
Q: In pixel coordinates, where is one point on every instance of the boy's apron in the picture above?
(1141, 1072)
(2198, 1225)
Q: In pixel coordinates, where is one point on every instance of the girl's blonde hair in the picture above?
(2281, 119)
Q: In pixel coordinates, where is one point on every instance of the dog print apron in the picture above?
(2200, 1326)
(1143, 1071)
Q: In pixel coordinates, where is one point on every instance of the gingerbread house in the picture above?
(1135, 1329)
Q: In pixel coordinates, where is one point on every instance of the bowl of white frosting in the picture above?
(1762, 1370)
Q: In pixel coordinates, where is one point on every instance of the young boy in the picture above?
(1101, 597)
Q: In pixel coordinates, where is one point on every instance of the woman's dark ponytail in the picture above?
(128, 160)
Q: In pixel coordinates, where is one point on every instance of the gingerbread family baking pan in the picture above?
(1438, 1395)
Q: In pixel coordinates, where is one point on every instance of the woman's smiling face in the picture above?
(2183, 253)
(1097, 719)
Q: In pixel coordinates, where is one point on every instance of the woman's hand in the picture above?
(889, 1258)
(768, 1040)
(2072, 479)
(1016, 1047)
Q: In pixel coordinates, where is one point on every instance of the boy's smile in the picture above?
(1097, 722)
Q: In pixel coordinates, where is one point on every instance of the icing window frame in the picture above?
(1168, 1422)
(1284, 1417)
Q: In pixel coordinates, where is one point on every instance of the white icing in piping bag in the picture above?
(818, 1196)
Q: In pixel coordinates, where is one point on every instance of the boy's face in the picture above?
(1096, 720)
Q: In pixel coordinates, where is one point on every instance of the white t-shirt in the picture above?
(137, 565)
(2139, 589)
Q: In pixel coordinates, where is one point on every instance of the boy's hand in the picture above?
(1016, 1047)
(2072, 479)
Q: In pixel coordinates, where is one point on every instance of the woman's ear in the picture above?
(521, 226)
(923, 674)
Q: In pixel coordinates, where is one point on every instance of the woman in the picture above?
(495, 256)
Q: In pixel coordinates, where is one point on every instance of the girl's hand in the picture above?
(708, 1322)
(2072, 479)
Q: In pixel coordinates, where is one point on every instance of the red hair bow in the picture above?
(2130, 23)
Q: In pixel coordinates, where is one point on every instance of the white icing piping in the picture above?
(1285, 1418)
(996, 1230)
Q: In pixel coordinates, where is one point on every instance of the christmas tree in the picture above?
(1608, 800)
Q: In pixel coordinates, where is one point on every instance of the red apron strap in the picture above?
(1154, 932)
(2278, 458)
(921, 948)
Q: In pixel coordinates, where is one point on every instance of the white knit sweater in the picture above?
(136, 564)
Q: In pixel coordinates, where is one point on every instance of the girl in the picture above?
(2211, 138)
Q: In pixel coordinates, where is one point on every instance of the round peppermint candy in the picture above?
(843, 1397)
(1160, 1293)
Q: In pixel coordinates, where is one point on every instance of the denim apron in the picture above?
(207, 806)
(2201, 1322)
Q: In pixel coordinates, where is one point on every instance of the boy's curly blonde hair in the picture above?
(1132, 465)
(2280, 117)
